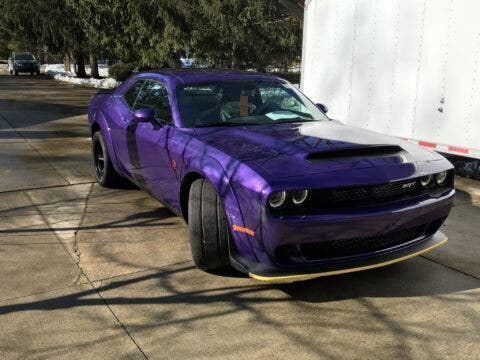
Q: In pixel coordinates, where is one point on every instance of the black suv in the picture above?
(23, 63)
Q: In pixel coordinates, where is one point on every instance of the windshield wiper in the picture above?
(294, 120)
(222, 123)
(243, 123)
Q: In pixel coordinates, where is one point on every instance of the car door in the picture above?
(120, 118)
(155, 169)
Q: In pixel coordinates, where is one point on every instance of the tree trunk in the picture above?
(234, 56)
(66, 62)
(73, 61)
(80, 60)
(261, 67)
(94, 67)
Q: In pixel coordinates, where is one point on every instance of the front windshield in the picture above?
(251, 102)
(24, 57)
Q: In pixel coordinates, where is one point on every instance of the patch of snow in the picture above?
(57, 71)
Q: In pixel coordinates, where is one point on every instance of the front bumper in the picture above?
(366, 239)
(263, 272)
(27, 68)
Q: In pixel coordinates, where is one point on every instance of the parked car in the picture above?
(23, 63)
(266, 181)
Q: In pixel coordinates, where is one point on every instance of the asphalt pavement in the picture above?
(94, 273)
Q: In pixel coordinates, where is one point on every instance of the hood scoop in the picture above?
(373, 151)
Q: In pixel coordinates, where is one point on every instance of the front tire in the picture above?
(207, 222)
(105, 173)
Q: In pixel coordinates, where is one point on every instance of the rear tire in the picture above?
(207, 222)
(105, 173)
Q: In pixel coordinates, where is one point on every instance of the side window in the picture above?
(131, 94)
(154, 96)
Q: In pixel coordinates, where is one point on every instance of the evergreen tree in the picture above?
(246, 33)
(45, 22)
(154, 33)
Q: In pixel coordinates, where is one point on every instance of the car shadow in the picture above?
(50, 111)
(19, 115)
(413, 278)
(145, 219)
(392, 282)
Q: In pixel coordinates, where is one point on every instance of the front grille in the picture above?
(366, 195)
(349, 247)
(324, 200)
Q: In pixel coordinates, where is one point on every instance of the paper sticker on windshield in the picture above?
(275, 115)
(243, 105)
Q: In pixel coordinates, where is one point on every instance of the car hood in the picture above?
(293, 150)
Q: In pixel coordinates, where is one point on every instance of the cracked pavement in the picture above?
(89, 272)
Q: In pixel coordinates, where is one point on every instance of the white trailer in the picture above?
(408, 68)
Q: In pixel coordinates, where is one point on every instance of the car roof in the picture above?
(188, 76)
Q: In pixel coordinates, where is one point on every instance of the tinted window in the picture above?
(243, 103)
(131, 94)
(24, 57)
(154, 96)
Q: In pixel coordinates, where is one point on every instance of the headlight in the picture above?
(425, 180)
(277, 199)
(299, 196)
(440, 178)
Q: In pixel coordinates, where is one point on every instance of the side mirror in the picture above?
(144, 115)
(323, 108)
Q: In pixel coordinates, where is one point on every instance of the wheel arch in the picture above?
(218, 179)
(94, 128)
(99, 123)
(185, 186)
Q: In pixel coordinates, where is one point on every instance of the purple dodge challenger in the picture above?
(267, 183)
